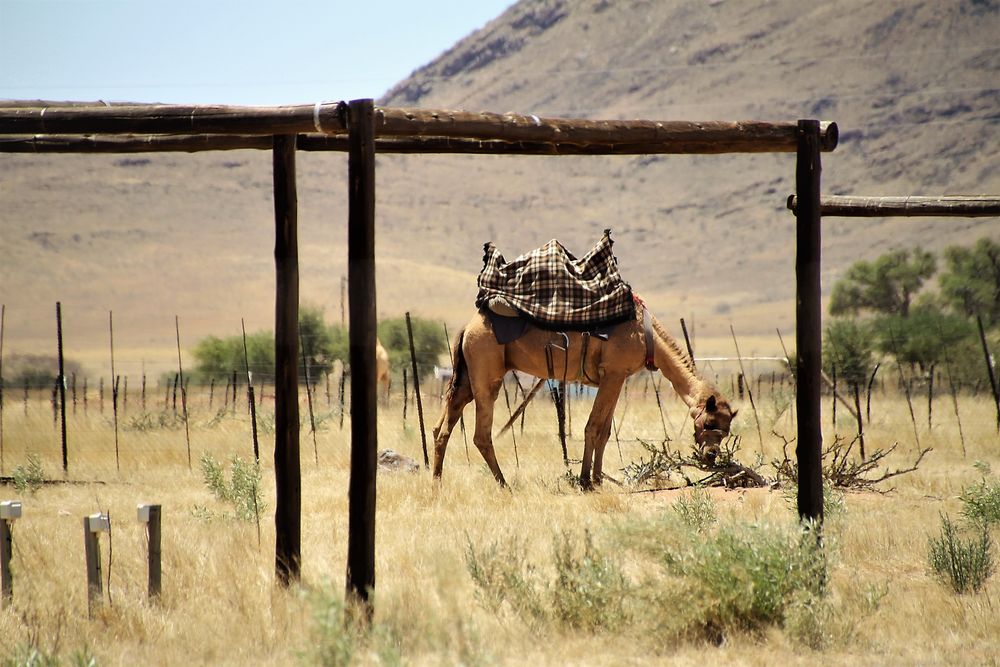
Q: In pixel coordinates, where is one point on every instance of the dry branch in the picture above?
(843, 471)
(664, 463)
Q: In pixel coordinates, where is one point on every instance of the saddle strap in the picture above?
(647, 326)
(585, 338)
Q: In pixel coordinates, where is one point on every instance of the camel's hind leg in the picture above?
(458, 397)
(599, 429)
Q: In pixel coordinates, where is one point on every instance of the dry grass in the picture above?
(220, 604)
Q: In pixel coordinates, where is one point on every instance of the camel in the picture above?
(382, 375)
(480, 363)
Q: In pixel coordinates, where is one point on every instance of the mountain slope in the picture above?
(911, 84)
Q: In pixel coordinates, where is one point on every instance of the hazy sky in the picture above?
(257, 52)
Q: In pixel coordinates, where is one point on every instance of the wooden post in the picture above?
(309, 398)
(340, 393)
(92, 526)
(150, 515)
(510, 413)
(9, 512)
(406, 394)
(687, 342)
(62, 386)
(3, 312)
(287, 473)
(114, 387)
(250, 400)
(180, 377)
(361, 300)
(235, 381)
(416, 389)
(989, 368)
(808, 322)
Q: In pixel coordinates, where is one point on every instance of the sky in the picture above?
(247, 52)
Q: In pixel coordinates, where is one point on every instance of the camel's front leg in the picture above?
(599, 429)
(485, 400)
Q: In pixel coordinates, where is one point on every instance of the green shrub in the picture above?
(148, 421)
(502, 573)
(29, 478)
(242, 492)
(691, 581)
(834, 503)
(746, 577)
(30, 656)
(965, 565)
(590, 589)
(696, 509)
(981, 502)
(333, 638)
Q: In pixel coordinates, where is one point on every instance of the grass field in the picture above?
(468, 573)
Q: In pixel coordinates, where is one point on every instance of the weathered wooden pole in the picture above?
(114, 386)
(250, 398)
(287, 473)
(989, 368)
(309, 397)
(978, 206)
(3, 312)
(10, 511)
(62, 386)
(150, 516)
(180, 379)
(93, 525)
(361, 300)
(808, 322)
(416, 389)
(687, 342)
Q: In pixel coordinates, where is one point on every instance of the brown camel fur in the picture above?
(480, 364)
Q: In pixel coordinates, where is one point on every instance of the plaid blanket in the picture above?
(555, 290)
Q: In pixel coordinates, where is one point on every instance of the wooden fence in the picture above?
(362, 130)
(955, 206)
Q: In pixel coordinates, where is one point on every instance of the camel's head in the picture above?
(712, 417)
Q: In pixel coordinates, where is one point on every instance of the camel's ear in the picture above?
(733, 415)
(710, 405)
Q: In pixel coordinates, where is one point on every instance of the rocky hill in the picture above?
(912, 85)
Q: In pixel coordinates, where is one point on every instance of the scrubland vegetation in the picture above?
(468, 573)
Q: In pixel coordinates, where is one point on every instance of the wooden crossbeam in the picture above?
(516, 133)
(874, 207)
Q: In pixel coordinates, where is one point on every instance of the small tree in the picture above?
(219, 357)
(849, 347)
(428, 342)
(971, 280)
(318, 342)
(886, 285)
(925, 339)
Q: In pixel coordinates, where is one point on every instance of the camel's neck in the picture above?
(677, 366)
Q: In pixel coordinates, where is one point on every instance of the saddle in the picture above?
(552, 289)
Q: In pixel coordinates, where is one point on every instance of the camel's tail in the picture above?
(459, 369)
